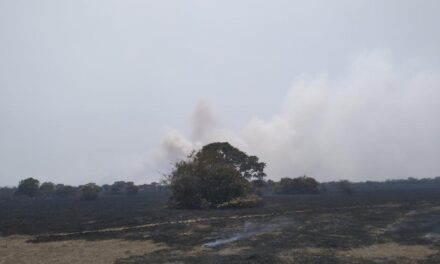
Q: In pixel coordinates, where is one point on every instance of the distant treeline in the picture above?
(308, 185)
(31, 188)
(300, 185)
(408, 184)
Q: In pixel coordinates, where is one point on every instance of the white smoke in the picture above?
(251, 229)
(378, 122)
(204, 122)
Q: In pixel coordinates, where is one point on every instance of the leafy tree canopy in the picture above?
(28, 187)
(47, 188)
(223, 153)
(299, 185)
(65, 191)
(131, 188)
(90, 191)
(216, 174)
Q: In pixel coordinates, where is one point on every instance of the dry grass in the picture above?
(390, 251)
(290, 256)
(15, 250)
(232, 251)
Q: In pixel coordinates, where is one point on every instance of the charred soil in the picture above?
(370, 227)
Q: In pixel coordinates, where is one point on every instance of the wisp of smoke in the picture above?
(251, 229)
(377, 122)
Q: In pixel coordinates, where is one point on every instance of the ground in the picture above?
(372, 227)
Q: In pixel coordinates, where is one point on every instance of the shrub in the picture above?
(257, 186)
(345, 187)
(299, 185)
(89, 192)
(28, 187)
(131, 189)
(65, 191)
(117, 188)
(6, 193)
(121, 187)
(47, 189)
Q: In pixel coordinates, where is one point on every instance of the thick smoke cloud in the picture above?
(378, 121)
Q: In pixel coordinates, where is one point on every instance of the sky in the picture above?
(99, 91)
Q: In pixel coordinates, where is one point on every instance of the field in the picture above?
(369, 227)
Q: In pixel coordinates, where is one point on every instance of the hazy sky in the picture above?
(115, 90)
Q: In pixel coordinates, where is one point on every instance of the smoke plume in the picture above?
(378, 121)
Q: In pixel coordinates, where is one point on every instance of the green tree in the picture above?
(257, 186)
(224, 153)
(299, 185)
(131, 189)
(106, 188)
(47, 189)
(89, 192)
(117, 188)
(28, 187)
(216, 174)
(345, 187)
(65, 191)
(6, 193)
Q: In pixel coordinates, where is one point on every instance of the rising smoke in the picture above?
(251, 229)
(379, 121)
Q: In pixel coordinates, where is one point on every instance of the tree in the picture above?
(299, 185)
(65, 191)
(270, 186)
(47, 189)
(28, 187)
(89, 192)
(285, 186)
(117, 188)
(224, 153)
(105, 188)
(6, 193)
(131, 189)
(257, 186)
(345, 187)
(216, 174)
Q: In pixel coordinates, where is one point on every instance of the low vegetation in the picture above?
(89, 192)
(345, 187)
(299, 185)
(28, 187)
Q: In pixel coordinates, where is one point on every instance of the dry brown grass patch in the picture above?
(15, 250)
(290, 256)
(390, 251)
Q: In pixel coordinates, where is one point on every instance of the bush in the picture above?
(131, 189)
(89, 192)
(300, 185)
(6, 193)
(28, 187)
(65, 191)
(121, 187)
(257, 186)
(47, 189)
(345, 187)
(117, 188)
(249, 201)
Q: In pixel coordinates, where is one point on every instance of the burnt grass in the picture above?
(330, 221)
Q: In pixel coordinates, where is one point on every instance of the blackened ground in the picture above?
(324, 228)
